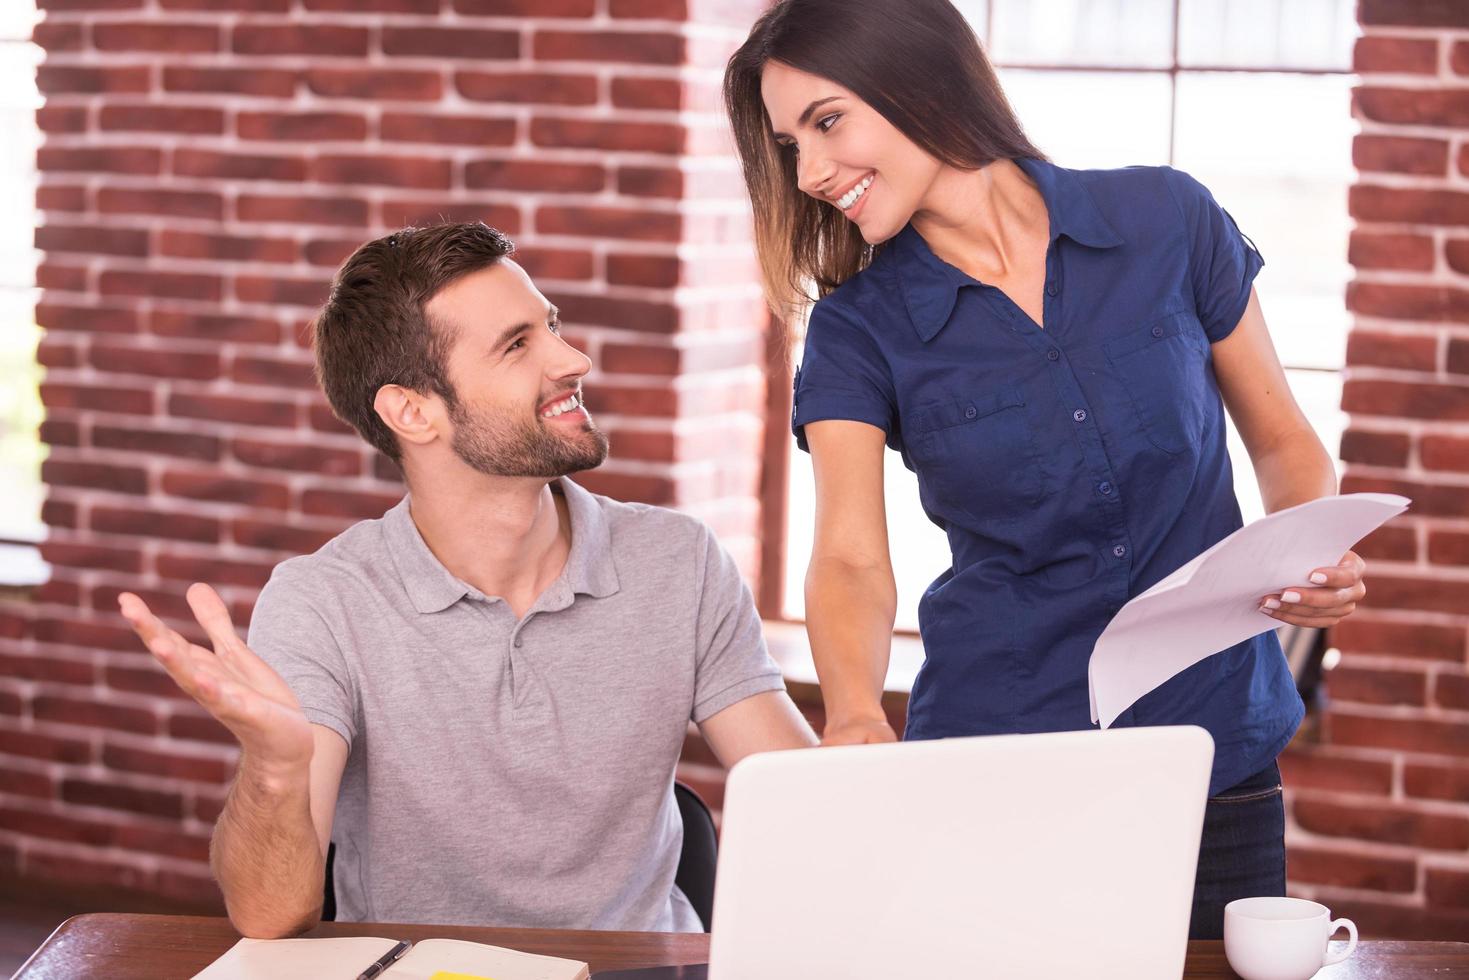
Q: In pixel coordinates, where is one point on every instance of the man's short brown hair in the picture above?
(373, 330)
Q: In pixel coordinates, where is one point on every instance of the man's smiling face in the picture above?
(517, 409)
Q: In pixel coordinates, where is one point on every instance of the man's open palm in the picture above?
(230, 682)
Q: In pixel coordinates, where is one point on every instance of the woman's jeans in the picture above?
(1242, 853)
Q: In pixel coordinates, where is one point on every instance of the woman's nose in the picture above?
(812, 175)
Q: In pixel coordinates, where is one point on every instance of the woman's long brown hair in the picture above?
(917, 62)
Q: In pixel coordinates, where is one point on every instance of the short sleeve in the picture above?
(731, 660)
(290, 634)
(1222, 262)
(843, 375)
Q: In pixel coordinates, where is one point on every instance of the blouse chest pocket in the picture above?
(1164, 367)
(974, 457)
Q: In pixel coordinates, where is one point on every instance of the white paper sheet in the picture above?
(1213, 601)
(296, 959)
(343, 958)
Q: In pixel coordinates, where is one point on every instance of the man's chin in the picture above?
(582, 466)
(594, 456)
(537, 454)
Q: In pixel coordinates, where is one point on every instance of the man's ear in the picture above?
(412, 417)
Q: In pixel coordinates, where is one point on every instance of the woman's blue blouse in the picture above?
(1071, 466)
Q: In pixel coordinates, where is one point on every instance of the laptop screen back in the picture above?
(1054, 855)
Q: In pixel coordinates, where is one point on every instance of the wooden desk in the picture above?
(161, 947)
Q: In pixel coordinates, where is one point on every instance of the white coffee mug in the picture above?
(1282, 938)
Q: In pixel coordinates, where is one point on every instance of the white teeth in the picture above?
(850, 198)
(562, 407)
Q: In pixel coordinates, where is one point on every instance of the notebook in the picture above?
(346, 957)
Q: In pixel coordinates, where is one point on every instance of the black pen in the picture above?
(384, 961)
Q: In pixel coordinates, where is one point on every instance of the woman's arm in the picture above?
(1290, 463)
(851, 597)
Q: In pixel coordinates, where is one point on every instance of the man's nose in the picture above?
(570, 362)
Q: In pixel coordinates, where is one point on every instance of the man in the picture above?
(481, 696)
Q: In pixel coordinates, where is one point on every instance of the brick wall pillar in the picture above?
(1380, 806)
(206, 166)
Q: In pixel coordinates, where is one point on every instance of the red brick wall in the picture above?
(207, 164)
(1380, 807)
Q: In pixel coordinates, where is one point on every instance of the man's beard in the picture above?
(505, 448)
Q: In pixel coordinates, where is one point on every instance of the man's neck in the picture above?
(507, 537)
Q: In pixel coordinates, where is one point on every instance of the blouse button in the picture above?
(1120, 551)
(1051, 289)
(1079, 415)
(1105, 489)
(1053, 354)
(971, 412)
(1157, 331)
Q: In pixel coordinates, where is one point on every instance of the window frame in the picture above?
(21, 564)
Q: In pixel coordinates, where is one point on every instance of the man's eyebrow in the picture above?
(511, 332)
(806, 116)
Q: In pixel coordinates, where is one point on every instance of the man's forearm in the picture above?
(265, 853)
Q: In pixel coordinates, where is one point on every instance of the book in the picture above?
(345, 958)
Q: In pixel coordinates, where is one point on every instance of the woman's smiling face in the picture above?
(848, 155)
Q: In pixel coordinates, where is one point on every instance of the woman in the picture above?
(1048, 349)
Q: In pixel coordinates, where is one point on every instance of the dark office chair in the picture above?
(695, 875)
(329, 890)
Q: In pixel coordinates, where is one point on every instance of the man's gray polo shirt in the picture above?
(515, 773)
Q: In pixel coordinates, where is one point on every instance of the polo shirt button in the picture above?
(1079, 415)
(1120, 551)
(1053, 354)
(971, 412)
(1051, 289)
(1157, 331)
(519, 641)
(1104, 488)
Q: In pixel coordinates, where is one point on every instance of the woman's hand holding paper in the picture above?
(1332, 596)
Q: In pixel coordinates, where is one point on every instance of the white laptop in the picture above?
(1067, 855)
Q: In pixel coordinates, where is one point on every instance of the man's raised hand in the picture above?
(230, 682)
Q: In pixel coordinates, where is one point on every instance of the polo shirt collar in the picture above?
(590, 568)
(930, 285)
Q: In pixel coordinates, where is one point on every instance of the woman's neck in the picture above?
(986, 222)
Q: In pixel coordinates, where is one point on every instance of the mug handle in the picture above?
(1351, 928)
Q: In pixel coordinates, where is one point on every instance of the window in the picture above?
(1252, 97)
(20, 405)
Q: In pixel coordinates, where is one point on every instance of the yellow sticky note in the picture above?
(446, 975)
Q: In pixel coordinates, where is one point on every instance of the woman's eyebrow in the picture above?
(806, 116)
